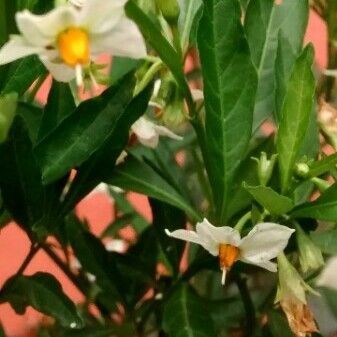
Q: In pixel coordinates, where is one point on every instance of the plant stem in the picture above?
(240, 224)
(248, 305)
(33, 250)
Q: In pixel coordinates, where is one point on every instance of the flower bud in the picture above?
(8, 105)
(311, 257)
(302, 170)
(170, 9)
(265, 167)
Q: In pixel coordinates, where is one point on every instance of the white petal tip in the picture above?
(167, 232)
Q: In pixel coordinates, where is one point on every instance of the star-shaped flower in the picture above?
(262, 244)
(67, 39)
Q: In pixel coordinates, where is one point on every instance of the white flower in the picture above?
(148, 132)
(67, 38)
(263, 243)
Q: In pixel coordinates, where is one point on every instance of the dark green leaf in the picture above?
(168, 217)
(99, 331)
(278, 324)
(59, 105)
(263, 21)
(296, 113)
(22, 73)
(275, 203)
(101, 163)
(324, 208)
(137, 176)
(83, 132)
(155, 38)
(229, 85)
(20, 177)
(44, 293)
(94, 259)
(186, 316)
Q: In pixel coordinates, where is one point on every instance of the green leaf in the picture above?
(137, 176)
(296, 113)
(44, 293)
(278, 324)
(322, 166)
(20, 177)
(83, 132)
(125, 330)
(185, 315)
(326, 241)
(171, 218)
(229, 86)
(102, 162)
(158, 42)
(263, 21)
(275, 203)
(121, 66)
(8, 104)
(188, 13)
(324, 208)
(330, 296)
(59, 105)
(22, 74)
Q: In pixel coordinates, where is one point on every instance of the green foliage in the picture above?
(229, 86)
(40, 291)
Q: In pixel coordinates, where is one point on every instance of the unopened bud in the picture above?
(170, 9)
(302, 170)
(265, 167)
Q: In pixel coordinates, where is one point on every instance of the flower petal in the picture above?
(101, 16)
(271, 266)
(145, 132)
(124, 39)
(209, 238)
(16, 48)
(186, 235)
(59, 71)
(264, 242)
(163, 131)
(42, 30)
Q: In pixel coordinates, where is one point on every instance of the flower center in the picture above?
(228, 254)
(73, 45)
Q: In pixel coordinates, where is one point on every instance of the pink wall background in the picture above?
(97, 209)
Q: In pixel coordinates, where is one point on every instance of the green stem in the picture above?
(33, 250)
(148, 77)
(241, 223)
(248, 305)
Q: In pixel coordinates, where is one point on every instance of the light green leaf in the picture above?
(188, 12)
(44, 293)
(296, 113)
(326, 241)
(275, 203)
(83, 132)
(186, 316)
(324, 208)
(137, 176)
(229, 86)
(263, 21)
(323, 166)
(8, 104)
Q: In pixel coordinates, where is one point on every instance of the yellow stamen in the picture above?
(228, 254)
(73, 45)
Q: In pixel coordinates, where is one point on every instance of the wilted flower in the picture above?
(311, 257)
(291, 295)
(67, 39)
(148, 132)
(262, 244)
